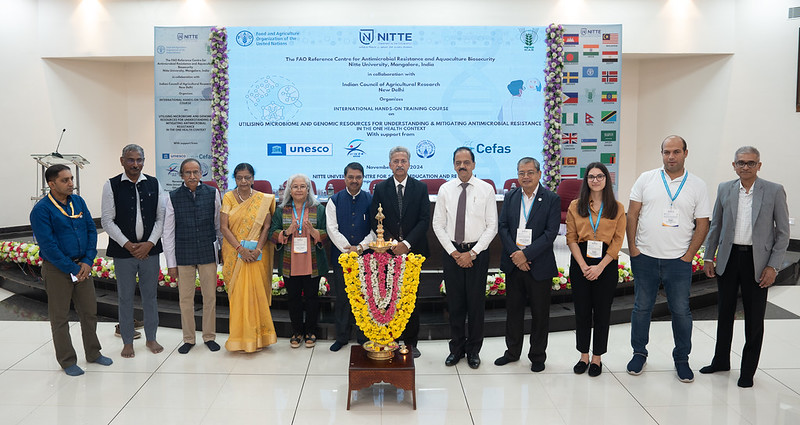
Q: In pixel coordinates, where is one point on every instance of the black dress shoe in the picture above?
(537, 366)
(712, 368)
(745, 382)
(595, 369)
(503, 360)
(452, 360)
(415, 352)
(474, 360)
(580, 367)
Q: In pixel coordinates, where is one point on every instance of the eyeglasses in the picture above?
(749, 164)
(191, 172)
(245, 178)
(529, 173)
(131, 161)
(300, 187)
(598, 178)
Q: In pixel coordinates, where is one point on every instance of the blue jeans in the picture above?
(676, 276)
(126, 270)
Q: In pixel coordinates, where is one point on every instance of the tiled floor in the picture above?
(309, 386)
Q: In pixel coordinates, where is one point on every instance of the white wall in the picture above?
(720, 73)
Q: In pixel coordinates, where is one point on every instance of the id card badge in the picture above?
(524, 237)
(670, 217)
(300, 244)
(594, 249)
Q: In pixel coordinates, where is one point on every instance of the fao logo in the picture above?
(366, 36)
(244, 38)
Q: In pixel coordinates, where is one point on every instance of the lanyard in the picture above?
(526, 211)
(666, 186)
(62, 209)
(597, 224)
(302, 213)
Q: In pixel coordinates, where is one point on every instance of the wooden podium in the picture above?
(398, 371)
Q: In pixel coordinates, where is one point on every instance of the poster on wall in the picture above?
(182, 101)
(312, 99)
(592, 97)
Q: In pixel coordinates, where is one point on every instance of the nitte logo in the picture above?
(299, 149)
(493, 148)
(367, 35)
(182, 36)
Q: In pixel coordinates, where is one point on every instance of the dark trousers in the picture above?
(303, 298)
(466, 301)
(592, 301)
(739, 273)
(60, 291)
(343, 315)
(410, 335)
(521, 290)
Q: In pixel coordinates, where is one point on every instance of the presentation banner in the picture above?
(182, 101)
(592, 85)
(312, 99)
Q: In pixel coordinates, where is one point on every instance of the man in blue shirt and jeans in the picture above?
(67, 243)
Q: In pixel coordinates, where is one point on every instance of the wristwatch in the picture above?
(359, 250)
(473, 254)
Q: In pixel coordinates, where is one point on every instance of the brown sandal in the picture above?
(311, 340)
(294, 341)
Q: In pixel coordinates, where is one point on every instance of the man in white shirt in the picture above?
(133, 217)
(348, 224)
(465, 222)
(668, 219)
(749, 234)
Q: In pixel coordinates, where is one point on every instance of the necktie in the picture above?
(400, 198)
(461, 212)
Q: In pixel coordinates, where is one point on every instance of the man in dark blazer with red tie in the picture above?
(528, 225)
(407, 209)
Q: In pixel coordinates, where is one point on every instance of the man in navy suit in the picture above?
(750, 233)
(407, 209)
(528, 225)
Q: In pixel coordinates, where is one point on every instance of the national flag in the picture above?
(608, 116)
(610, 56)
(608, 158)
(608, 97)
(568, 176)
(569, 118)
(571, 57)
(588, 144)
(570, 98)
(582, 172)
(608, 136)
(571, 39)
(589, 119)
(569, 138)
(611, 38)
(591, 50)
(610, 76)
(569, 78)
(589, 72)
(569, 160)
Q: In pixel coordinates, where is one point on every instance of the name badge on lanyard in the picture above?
(300, 244)
(594, 249)
(525, 236)
(671, 215)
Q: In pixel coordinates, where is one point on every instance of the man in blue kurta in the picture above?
(67, 240)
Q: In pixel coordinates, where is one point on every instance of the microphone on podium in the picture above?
(56, 154)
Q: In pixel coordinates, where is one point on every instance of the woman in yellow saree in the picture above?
(244, 221)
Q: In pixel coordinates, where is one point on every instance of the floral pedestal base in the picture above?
(377, 351)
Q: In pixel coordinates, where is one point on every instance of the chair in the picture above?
(433, 185)
(508, 183)
(372, 185)
(262, 186)
(211, 183)
(338, 185)
(491, 182)
(568, 190)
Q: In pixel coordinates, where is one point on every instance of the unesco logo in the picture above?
(244, 38)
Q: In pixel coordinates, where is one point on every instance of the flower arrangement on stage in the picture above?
(278, 285)
(219, 106)
(20, 252)
(551, 167)
(562, 280)
(698, 262)
(104, 268)
(625, 272)
(495, 285)
(382, 289)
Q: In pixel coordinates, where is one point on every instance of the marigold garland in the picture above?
(405, 286)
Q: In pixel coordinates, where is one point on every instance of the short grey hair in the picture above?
(133, 147)
(287, 192)
(746, 149)
(527, 160)
(397, 149)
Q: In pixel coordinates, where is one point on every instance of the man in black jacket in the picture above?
(407, 209)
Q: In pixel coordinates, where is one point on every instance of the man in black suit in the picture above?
(528, 225)
(407, 209)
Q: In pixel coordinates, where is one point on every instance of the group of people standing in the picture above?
(667, 221)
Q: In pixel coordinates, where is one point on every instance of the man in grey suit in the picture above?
(750, 233)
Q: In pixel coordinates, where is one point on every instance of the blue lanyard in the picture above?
(666, 186)
(597, 224)
(302, 213)
(526, 211)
